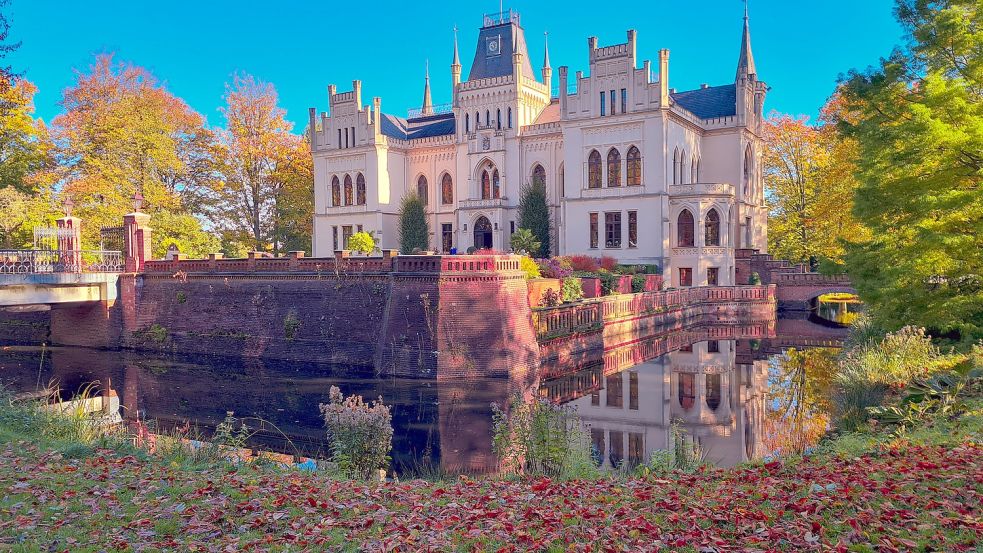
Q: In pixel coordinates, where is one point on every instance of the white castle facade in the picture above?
(633, 169)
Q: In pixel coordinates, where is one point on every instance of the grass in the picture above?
(62, 489)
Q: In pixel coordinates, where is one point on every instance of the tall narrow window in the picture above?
(602, 104)
(684, 228)
(447, 189)
(682, 164)
(485, 185)
(467, 122)
(594, 169)
(614, 168)
(633, 391)
(498, 118)
(613, 102)
(692, 171)
(748, 166)
(349, 193)
(713, 391)
(539, 175)
(713, 276)
(510, 117)
(685, 276)
(593, 230)
(632, 229)
(675, 166)
(346, 137)
(339, 139)
(360, 189)
(711, 236)
(477, 119)
(699, 170)
(446, 237)
(353, 136)
(634, 167)
(496, 185)
(334, 238)
(747, 232)
(624, 100)
(612, 229)
(421, 189)
(335, 190)
(615, 396)
(487, 118)
(686, 392)
(346, 234)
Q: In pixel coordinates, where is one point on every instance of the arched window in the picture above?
(360, 189)
(487, 118)
(496, 185)
(485, 185)
(675, 166)
(713, 391)
(684, 230)
(498, 118)
(682, 164)
(614, 167)
(594, 169)
(711, 229)
(686, 390)
(634, 167)
(692, 171)
(349, 195)
(467, 122)
(477, 119)
(510, 117)
(335, 191)
(447, 189)
(421, 189)
(539, 175)
(699, 169)
(748, 168)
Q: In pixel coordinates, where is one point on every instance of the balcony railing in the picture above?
(699, 188)
(477, 204)
(69, 261)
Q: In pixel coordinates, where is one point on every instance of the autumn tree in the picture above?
(918, 123)
(122, 132)
(808, 173)
(264, 197)
(8, 77)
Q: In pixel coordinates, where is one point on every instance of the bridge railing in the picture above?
(67, 261)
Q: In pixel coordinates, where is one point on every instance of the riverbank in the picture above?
(899, 494)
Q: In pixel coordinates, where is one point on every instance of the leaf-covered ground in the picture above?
(920, 498)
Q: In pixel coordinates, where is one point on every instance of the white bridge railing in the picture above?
(51, 261)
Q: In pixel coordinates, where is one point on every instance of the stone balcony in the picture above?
(612, 191)
(701, 189)
(483, 204)
(701, 251)
(345, 209)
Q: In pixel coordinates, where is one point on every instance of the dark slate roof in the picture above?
(418, 127)
(706, 103)
(485, 66)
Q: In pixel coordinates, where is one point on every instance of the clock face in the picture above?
(494, 46)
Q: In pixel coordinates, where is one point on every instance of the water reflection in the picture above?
(841, 309)
(735, 398)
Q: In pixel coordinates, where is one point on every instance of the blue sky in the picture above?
(800, 46)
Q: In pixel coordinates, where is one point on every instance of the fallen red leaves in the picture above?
(922, 498)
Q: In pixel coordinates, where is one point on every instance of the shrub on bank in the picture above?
(571, 290)
(529, 266)
(541, 438)
(359, 434)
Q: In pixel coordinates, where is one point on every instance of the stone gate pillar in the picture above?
(69, 239)
(136, 237)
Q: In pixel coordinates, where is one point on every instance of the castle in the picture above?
(633, 169)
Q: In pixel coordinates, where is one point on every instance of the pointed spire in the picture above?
(457, 59)
(546, 57)
(745, 64)
(427, 104)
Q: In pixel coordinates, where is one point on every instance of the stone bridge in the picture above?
(796, 286)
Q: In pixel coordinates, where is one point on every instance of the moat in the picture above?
(723, 394)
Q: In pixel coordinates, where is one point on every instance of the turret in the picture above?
(664, 78)
(455, 64)
(745, 63)
(427, 108)
(547, 70)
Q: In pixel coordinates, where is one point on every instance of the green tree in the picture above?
(523, 241)
(361, 242)
(534, 214)
(414, 229)
(918, 123)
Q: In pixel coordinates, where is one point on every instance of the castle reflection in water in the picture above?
(715, 391)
